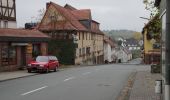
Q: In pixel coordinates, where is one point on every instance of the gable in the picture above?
(51, 16)
(59, 18)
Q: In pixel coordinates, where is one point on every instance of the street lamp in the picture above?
(145, 18)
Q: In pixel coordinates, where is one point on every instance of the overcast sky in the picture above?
(112, 14)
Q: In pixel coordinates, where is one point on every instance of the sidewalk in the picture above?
(144, 86)
(15, 74)
(4, 76)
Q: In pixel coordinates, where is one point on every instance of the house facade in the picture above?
(109, 47)
(151, 52)
(132, 44)
(122, 54)
(8, 14)
(76, 37)
(18, 47)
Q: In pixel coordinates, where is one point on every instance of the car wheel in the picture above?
(29, 71)
(47, 70)
(56, 68)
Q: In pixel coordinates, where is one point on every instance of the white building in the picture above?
(122, 54)
(7, 14)
(108, 50)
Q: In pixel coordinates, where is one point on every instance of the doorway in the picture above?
(23, 56)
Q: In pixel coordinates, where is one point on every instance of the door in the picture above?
(23, 56)
(52, 62)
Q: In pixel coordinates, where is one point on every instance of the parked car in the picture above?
(43, 64)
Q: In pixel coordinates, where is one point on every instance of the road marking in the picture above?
(69, 79)
(34, 90)
(86, 73)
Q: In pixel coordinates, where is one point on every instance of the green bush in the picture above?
(63, 49)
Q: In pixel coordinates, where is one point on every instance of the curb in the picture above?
(18, 77)
(125, 92)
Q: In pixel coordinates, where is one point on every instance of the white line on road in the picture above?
(34, 90)
(86, 73)
(69, 79)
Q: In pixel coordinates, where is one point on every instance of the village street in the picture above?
(103, 82)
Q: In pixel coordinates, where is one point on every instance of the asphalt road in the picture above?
(135, 61)
(102, 82)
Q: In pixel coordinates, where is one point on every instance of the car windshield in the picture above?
(42, 59)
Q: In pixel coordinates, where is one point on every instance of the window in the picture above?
(84, 51)
(89, 36)
(36, 50)
(92, 37)
(156, 46)
(80, 51)
(88, 50)
(5, 24)
(65, 36)
(79, 35)
(8, 55)
(83, 36)
(12, 55)
(0, 24)
(50, 34)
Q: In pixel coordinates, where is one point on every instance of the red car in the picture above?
(43, 64)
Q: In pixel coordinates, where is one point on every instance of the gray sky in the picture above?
(111, 14)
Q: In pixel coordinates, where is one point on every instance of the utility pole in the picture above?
(167, 52)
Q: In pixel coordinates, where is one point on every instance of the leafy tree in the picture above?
(149, 6)
(137, 35)
(154, 25)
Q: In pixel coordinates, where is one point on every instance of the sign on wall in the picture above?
(29, 49)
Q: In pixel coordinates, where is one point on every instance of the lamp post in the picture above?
(145, 18)
(167, 52)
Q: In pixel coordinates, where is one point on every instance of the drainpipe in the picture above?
(167, 53)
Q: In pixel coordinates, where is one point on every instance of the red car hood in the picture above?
(39, 63)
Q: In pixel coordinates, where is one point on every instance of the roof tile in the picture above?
(22, 33)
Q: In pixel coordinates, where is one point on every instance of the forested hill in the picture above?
(119, 33)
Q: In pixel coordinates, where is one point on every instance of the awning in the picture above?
(19, 44)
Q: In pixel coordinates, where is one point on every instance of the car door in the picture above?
(55, 61)
(52, 62)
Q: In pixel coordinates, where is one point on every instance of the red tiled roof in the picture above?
(72, 16)
(22, 33)
(82, 14)
(71, 22)
(69, 7)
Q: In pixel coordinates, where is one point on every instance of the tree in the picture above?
(149, 6)
(154, 24)
(137, 35)
(39, 16)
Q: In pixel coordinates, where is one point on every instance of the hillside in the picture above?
(119, 33)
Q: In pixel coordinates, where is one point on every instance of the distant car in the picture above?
(43, 64)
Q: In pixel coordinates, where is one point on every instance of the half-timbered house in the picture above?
(77, 38)
(7, 14)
